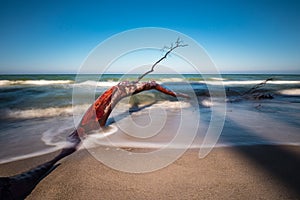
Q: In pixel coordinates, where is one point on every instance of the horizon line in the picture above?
(117, 73)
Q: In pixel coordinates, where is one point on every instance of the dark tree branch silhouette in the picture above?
(177, 44)
(254, 93)
(255, 87)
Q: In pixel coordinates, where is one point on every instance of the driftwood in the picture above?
(20, 186)
(253, 93)
(255, 87)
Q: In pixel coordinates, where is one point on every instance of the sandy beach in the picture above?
(249, 172)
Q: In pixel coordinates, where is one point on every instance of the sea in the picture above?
(37, 110)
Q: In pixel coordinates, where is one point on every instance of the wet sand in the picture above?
(248, 172)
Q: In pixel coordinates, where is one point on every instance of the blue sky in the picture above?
(240, 36)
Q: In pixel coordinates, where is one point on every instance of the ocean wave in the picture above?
(34, 82)
(97, 84)
(70, 110)
(54, 139)
(206, 103)
(30, 155)
(252, 82)
(172, 104)
(290, 92)
(113, 83)
(218, 79)
(110, 83)
(36, 113)
(171, 80)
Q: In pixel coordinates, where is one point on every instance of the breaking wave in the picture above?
(252, 82)
(36, 113)
(290, 92)
(96, 83)
(34, 82)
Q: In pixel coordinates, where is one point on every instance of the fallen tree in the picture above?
(20, 186)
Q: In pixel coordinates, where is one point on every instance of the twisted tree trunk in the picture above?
(20, 186)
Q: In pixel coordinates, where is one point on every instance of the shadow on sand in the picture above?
(278, 160)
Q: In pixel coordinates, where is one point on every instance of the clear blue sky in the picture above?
(240, 36)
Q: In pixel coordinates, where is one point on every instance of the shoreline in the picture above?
(193, 147)
(240, 172)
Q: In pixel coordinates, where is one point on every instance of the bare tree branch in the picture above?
(253, 93)
(251, 90)
(178, 43)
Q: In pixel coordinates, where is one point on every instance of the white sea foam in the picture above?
(218, 79)
(57, 82)
(30, 155)
(97, 84)
(34, 82)
(213, 81)
(69, 110)
(53, 138)
(171, 80)
(207, 103)
(97, 137)
(42, 112)
(4, 82)
(291, 92)
(253, 82)
(36, 113)
(172, 104)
